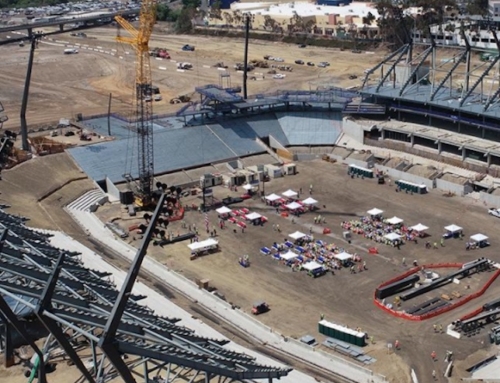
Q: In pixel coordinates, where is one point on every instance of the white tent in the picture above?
(288, 256)
(247, 187)
(374, 212)
(395, 220)
(253, 216)
(290, 193)
(203, 245)
(478, 238)
(297, 235)
(223, 210)
(453, 228)
(419, 227)
(343, 256)
(273, 197)
(293, 206)
(392, 237)
(309, 201)
(311, 266)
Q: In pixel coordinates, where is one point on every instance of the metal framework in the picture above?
(451, 84)
(139, 40)
(82, 310)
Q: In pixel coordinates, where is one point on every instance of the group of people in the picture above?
(323, 253)
(376, 229)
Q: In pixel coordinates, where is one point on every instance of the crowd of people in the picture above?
(376, 228)
(307, 250)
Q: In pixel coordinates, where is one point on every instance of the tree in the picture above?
(228, 18)
(477, 7)
(215, 12)
(184, 23)
(269, 22)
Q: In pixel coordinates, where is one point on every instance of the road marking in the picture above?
(100, 50)
(113, 54)
(114, 50)
(127, 53)
(173, 61)
(221, 68)
(98, 47)
(121, 57)
(181, 70)
(206, 66)
(162, 68)
(85, 45)
(159, 58)
(77, 44)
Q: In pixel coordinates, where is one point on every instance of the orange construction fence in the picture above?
(468, 298)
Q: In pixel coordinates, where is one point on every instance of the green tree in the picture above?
(184, 23)
(215, 12)
(477, 7)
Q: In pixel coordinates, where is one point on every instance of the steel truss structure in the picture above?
(82, 310)
(449, 87)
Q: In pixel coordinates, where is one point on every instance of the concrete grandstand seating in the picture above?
(311, 128)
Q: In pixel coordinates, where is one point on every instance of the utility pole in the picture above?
(245, 62)
(109, 114)
(34, 38)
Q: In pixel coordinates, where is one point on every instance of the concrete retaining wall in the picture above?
(352, 161)
(112, 189)
(448, 186)
(489, 199)
(353, 129)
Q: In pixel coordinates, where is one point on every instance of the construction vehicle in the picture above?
(259, 64)
(188, 48)
(181, 99)
(139, 40)
(260, 307)
(241, 66)
(184, 66)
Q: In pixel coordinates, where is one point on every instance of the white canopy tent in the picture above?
(289, 255)
(395, 220)
(309, 201)
(253, 216)
(479, 238)
(247, 187)
(223, 210)
(343, 256)
(453, 228)
(207, 244)
(297, 235)
(293, 206)
(273, 197)
(375, 212)
(290, 193)
(311, 266)
(392, 237)
(419, 227)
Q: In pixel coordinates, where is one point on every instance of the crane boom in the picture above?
(139, 40)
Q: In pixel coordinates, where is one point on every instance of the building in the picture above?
(340, 19)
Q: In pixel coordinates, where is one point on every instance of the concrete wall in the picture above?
(112, 189)
(448, 186)
(274, 143)
(353, 129)
(352, 161)
(306, 156)
(489, 200)
(400, 175)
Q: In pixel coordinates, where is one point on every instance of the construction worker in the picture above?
(322, 316)
(435, 245)
(442, 242)
(435, 327)
(372, 340)
(441, 328)
(403, 261)
(434, 374)
(396, 344)
(433, 355)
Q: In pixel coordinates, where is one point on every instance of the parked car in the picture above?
(309, 63)
(188, 48)
(277, 59)
(302, 45)
(300, 62)
(324, 64)
(279, 76)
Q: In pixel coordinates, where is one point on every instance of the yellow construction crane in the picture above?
(139, 40)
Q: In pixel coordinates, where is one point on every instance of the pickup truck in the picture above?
(494, 212)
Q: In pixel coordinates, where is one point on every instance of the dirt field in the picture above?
(297, 301)
(64, 85)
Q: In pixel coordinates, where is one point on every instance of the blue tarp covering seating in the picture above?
(265, 251)
(300, 249)
(289, 244)
(277, 256)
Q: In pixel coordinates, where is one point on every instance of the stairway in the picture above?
(87, 200)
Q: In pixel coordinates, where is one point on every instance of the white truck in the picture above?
(494, 212)
(70, 51)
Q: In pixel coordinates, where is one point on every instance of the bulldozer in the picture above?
(181, 99)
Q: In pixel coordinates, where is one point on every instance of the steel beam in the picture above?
(425, 54)
(12, 319)
(107, 340)
(393, 66)
(478, 81)
(384, 61)
(3, 236)
(448, 75)
(44, 304)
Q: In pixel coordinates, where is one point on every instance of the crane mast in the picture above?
(139, 40)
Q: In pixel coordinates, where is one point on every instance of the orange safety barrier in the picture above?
(464, 300)
(178, 216)
(327, 231)
(284, 214)
(373, 250)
